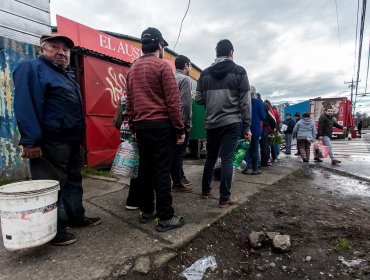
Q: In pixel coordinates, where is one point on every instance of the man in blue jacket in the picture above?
(48, 108)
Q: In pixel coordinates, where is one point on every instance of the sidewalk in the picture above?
(120, 243)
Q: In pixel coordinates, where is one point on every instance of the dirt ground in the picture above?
(325, 214)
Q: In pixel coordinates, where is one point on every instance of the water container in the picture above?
(28, 213)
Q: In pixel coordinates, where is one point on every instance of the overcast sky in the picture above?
(290, 48)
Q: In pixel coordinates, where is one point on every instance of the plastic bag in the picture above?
(197, 269)
(126, 161)
(320, 151)
(241, 149)
(284, 127)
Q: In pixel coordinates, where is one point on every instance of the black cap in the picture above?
(297, 114)
(151, 34)
(57, 37)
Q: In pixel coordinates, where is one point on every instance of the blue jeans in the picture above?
(326, 141)
(288, 142)
(277, 149)
(177, 170)
(221, 142)
(265, 151)
(62, 162)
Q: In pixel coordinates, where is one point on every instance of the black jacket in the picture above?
(325, 126)
(290, 123)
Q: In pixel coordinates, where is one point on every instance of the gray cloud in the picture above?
(289, 48)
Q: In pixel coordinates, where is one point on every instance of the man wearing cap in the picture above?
(223, 88)
(183, 66)
(154, 110)
(48, 108)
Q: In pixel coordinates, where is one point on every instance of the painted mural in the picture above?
(12, 166)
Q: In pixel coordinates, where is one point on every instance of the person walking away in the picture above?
(154, 114)
(223, 89)
(359, 128)
(305, 132)
(297, 117)
(258, 114)
(183, 66)
(288, 133)
(325, 131)
(49, 112)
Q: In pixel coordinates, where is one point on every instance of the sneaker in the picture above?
(317, 159)
(147, 217)
(131, 208)
(305, 160)
(335, 162)
(181, 188)
(230, 201)
(207, 195)
(174, 222)
(185, 181)
(245, 171)
(87, 222)
(275, 160)
(64, 239)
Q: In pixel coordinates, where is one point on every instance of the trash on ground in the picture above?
(197, 269)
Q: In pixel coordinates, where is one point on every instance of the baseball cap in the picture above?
(57, 37)
(152, 34)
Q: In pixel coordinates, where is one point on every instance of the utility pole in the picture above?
(352, 86)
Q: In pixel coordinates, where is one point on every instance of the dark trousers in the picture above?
(253, 150)
(177, 170)
(62, 162)
(221, 142)
(304, 148)
(156, 150)
(133, 198)
(265, 151)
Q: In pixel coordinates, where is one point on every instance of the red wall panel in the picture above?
(104, 85)
(102, 140)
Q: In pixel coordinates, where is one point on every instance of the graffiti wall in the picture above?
(12, 166)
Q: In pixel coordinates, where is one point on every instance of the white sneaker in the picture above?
(275, 160)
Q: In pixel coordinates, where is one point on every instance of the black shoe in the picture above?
(147, 217)
(87, 222)
(297, 154)
(174, 222)
(317, 159)
(64, 239)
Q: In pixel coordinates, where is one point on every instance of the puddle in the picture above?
(342, 185)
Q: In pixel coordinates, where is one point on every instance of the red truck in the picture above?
(342, 112)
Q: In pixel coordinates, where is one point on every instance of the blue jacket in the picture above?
(47, 103)
(258, 115)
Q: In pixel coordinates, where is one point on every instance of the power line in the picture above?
(360, 43)
(340, 43)
(178, 37)
(367, 71)
(354, 61)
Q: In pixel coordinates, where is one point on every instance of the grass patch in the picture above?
(85, 171)
(342, 244)
(5, 181)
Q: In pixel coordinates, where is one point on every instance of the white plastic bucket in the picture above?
(28, 213)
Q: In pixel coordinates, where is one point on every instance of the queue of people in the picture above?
(49, 111)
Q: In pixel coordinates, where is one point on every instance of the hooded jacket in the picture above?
(304, 128)
(223, 89)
